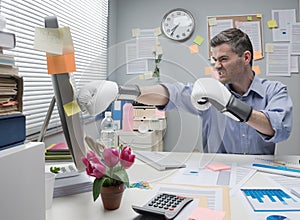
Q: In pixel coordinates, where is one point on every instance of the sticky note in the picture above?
(256, 69)
(272, 24)
(194, 48)
(249, 18)
(208, 70)
(258, 15)
(217, 166)
(157, 31)
(57, 64)
(71, 108)
(198, 40)
(257, 55)
(208, 214)
(136, 32)
(212, 21)
(48, 40)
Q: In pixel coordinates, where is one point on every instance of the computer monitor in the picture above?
(72, 125)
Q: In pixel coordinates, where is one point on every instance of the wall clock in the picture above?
(178, 24)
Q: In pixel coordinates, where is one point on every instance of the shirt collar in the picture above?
(256, 86)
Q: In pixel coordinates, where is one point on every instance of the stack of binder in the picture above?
(12, 121)
(58, 152)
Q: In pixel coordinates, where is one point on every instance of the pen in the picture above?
(284, 168)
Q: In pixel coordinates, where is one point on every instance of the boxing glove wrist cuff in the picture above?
(239, 109)
(128, 92)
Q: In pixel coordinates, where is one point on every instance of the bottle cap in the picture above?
(107, 114)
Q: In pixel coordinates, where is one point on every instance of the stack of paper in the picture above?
(72, 185)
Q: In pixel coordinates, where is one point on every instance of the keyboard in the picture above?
(158, 161)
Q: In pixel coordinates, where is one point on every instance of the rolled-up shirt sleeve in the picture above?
(279, 112)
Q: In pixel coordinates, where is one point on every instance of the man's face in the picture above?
(229, 66)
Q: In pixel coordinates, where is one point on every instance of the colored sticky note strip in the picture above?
(218, 166)
(257, 55)
(208, 214)
(61, 63)
(71, 108)
(256, 69)
(194, 48)
(198, 40)
(272, 24)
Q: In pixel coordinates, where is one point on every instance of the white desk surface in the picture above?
(81, 206)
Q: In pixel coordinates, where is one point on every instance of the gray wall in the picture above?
(183, 133)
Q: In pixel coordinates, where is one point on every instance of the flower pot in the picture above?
(111, 196)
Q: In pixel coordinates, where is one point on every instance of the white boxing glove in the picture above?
(209, 91)
(96, 96)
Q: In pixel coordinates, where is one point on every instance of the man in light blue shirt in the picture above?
(266, 119)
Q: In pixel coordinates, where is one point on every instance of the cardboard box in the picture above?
(13, 130)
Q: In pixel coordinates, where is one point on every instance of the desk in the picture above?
(81, 206)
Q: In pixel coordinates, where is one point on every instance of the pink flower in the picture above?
(94, 167)
(111, 156)
(126, 158)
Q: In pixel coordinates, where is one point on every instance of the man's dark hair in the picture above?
(237, 39)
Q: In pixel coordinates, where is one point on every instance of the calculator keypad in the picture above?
(165, 204)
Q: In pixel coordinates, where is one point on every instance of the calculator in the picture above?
(164, 205)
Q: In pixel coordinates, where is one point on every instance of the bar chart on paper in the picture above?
(267, 200)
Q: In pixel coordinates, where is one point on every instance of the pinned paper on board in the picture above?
(257, 55)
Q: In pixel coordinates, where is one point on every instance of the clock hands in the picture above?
(174, 28)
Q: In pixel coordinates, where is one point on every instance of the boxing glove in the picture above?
(96, 96)
(209, 91)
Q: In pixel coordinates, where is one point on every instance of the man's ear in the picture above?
(247, 56)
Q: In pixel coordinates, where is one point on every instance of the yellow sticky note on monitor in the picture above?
(58, 64)
(257, 55)
(256, 69)
(71, 108)
(198, 40)
(272, 24)
(194, 48)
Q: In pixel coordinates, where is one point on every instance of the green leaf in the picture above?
(97, 185)
(122, 176)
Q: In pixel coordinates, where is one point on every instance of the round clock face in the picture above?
(178, 24)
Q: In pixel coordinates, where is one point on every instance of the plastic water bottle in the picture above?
(107, 132)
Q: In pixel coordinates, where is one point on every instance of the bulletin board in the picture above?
(250, 24)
